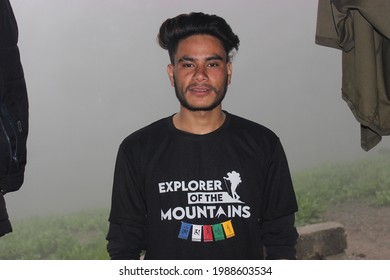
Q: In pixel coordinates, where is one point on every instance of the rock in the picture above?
(319, 241)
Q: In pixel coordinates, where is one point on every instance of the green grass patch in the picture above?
(78, 236)
(318, 188)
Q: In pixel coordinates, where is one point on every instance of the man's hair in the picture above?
(182, 26)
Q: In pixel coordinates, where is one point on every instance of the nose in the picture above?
(200, 73)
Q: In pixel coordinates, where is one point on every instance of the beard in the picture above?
(220, 95)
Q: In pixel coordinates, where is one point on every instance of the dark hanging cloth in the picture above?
(5, 225)
(361, 30)
(13, 112)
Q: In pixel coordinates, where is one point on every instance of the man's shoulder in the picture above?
(243, 124)
(148, 133)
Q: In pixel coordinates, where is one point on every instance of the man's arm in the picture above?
(126, 236)
(125, 242)
(279, 205)
(279, 236)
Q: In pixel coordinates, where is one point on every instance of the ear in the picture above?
(230, 72)
(170, 72)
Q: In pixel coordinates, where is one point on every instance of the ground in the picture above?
(367, 228)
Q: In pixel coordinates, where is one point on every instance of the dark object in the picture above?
(13, 104)
(5, 225)
(13, 112)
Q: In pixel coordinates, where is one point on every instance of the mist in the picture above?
(95, 74)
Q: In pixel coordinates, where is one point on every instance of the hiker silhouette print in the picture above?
(235, 180)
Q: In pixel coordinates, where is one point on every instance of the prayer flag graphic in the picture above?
(197, 233)
(218, 232)
(207, 233)
(228, 227)
(184, 230)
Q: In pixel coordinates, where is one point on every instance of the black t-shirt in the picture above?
(222, 195)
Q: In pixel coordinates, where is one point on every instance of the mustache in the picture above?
(202, 85)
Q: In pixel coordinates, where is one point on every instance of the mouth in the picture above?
(200, 90)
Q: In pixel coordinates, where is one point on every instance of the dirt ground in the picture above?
(367, 228)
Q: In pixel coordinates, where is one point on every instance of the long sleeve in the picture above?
(126, 236)
(277, 230)
(125, 242)
(279, 236)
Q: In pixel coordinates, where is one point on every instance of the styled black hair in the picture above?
(182, 26)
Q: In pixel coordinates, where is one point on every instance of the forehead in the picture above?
(201, 45)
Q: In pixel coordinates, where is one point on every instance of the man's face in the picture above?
(201, 72)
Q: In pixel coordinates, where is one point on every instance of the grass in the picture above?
(319, 188)
(82, 235)
(78, 236)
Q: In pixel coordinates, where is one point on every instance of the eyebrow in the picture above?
(192, 59)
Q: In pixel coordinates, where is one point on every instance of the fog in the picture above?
(95, 73)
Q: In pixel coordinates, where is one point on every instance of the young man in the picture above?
(203, 183)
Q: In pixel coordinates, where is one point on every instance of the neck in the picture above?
(199, 122)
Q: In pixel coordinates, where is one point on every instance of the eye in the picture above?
(187, 65)
(213, 64)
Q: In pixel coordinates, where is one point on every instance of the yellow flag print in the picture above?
(228, 228)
